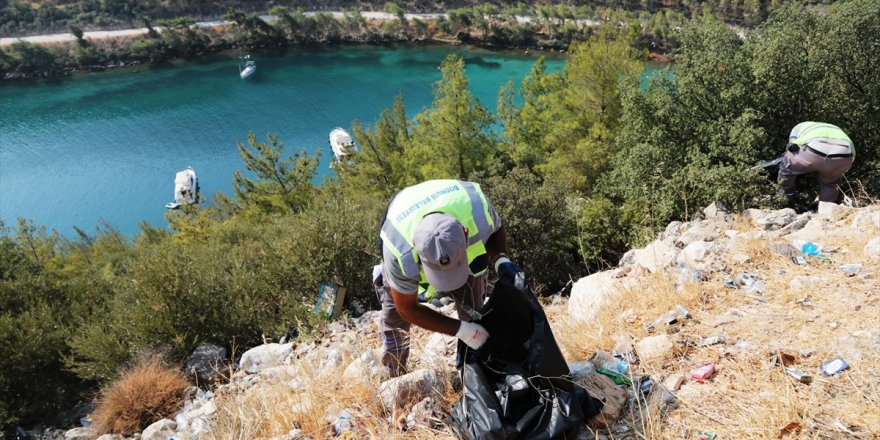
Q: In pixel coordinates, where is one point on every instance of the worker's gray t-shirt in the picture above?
(394, 275)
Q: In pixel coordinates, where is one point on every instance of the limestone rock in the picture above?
(771, 220)
(697, 253)
(265, 356)
(80, 433)
(654, 348)
(795, 225)
(715, 210)
(411, 387)
(866, 219)
(160, 430)
(672, 231)
(438, 352)
(590, 293)
(367, 368)
(655, 256)
(833, 211)
(702, 231)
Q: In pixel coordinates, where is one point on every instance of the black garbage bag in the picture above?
(518, 385)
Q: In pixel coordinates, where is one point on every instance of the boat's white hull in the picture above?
(248, 71)
(186, 188)
(341, 144)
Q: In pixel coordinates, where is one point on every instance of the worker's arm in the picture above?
(408, 307)
(472, 334)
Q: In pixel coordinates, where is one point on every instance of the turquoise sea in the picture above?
(105, 146)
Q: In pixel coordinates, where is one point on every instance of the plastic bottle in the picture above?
(343, 423)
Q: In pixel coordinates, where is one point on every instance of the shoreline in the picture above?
(217, 31)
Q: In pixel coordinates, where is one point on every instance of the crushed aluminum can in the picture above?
(706, 436)
(834, 366)
(800, 261)
(799, 375)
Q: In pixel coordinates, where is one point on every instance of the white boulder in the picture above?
(265, 356)
(590, 293)
(656, 256)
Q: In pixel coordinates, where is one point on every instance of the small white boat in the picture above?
(186, 188)
(341, 144)
(249, 68)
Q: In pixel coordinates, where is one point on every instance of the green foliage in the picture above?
(285, 185)
(540, 226)
(450, 138)
(381, 168)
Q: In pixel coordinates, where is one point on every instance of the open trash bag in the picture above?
(518, 386)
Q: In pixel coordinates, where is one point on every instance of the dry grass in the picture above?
(812, 311)
(147, 392)
(307, 397)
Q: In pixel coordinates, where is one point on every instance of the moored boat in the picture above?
(186, 188)
(341, 144)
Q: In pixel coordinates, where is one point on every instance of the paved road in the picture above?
(98, 35)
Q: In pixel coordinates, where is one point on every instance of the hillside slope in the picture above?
(750, 301)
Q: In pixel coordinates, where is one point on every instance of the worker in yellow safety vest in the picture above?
(439, 236)
(821, 148)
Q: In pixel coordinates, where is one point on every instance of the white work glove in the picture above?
(474, 335)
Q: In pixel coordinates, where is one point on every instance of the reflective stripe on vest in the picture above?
(813, 130)
(463, 200)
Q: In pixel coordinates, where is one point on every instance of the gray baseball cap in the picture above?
(441, 244)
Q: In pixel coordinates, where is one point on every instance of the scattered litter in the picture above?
(811, 249)
(608, 362)
(646, 384)
(851, 270)
(706, 436)
(783, 359)
(750, 282)
(799, 260)
(678, 313)
(624, 350)
(703, 373)
(342, 423)
(791, 428)
(712, 340)
(799, 375)
(834, 366)
(618, 378)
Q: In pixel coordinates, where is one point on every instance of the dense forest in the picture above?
(581, 164)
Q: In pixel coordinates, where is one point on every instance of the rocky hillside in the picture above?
(732, 317)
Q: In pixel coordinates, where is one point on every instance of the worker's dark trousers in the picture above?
(830, 171)
(395, 330)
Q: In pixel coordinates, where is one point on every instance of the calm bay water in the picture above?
(76, 150)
